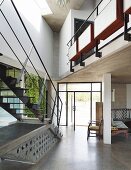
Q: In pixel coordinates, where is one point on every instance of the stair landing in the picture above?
(14, 131)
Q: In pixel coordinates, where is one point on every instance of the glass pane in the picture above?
(11, 72)
(70, 108)
(63, 113)
(62, 87)
(96, 86)
(82, 106)
(95, 98)
(79, 87)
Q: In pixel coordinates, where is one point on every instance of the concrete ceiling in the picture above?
(118, 64)
(56, 20)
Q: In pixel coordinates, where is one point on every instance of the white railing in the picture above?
(127, 5)
(108, 24)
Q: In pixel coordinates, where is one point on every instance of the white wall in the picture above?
(55, 66)
(128, 94)
(38, 29)
(88, 7)
(67, 31)
(65, 36)
(6, 118)
(127, 5)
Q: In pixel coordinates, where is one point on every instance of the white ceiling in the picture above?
(56, 20)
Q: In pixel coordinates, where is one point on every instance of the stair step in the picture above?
(14, 96)
(16, 88)
(24, 99)
(19, 108)
(10, 96)
(11, 81)
(19, 96)
(10, 103)
(34, 107)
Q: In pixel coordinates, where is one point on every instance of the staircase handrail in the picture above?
(34, 47)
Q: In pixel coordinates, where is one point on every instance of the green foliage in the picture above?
(33, 84)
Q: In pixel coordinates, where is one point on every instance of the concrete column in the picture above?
(106, 91)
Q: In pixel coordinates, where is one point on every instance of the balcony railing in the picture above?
(110, 21)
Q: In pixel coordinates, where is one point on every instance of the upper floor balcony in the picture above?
(111, 24)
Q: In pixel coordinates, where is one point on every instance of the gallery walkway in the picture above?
(75, 153)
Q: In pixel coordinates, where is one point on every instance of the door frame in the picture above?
(67, 98)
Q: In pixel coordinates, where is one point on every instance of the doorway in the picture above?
(79, 103)
(79, 108)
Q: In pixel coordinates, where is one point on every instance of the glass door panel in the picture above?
(63, 119)
(83, 104)
(71, 108)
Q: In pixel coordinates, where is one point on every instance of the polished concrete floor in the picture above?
(74, 152)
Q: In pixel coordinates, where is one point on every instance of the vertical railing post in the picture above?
(53, 109)
(71, 69)
(24, 65)
(127, 36)
(98, 54)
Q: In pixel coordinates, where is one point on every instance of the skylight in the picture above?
(43, 6)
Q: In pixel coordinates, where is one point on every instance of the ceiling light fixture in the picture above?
(62, 3)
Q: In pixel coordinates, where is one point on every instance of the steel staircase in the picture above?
(28, 142)
(54, 103)
(19, 93)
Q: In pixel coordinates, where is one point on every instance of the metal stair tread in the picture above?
(14, 88)
(14, 96)
(10, 103)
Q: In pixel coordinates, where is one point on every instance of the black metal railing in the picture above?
(52, 103)
(96, 48)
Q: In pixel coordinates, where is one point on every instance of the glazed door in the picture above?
(79, 104)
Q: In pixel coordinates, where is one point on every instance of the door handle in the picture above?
(74, 108)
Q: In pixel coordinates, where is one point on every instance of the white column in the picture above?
(106, 91)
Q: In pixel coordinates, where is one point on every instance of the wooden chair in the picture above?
(95, 128)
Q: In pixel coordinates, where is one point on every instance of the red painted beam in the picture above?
(128, 11)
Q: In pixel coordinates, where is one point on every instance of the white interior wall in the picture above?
(128, 94)
(88, 7)
(55, 59)
(39, 31)
(67, 31)
(127, 5)
(80, 14)
(103, 5)
(65, 36)
(6, 118)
